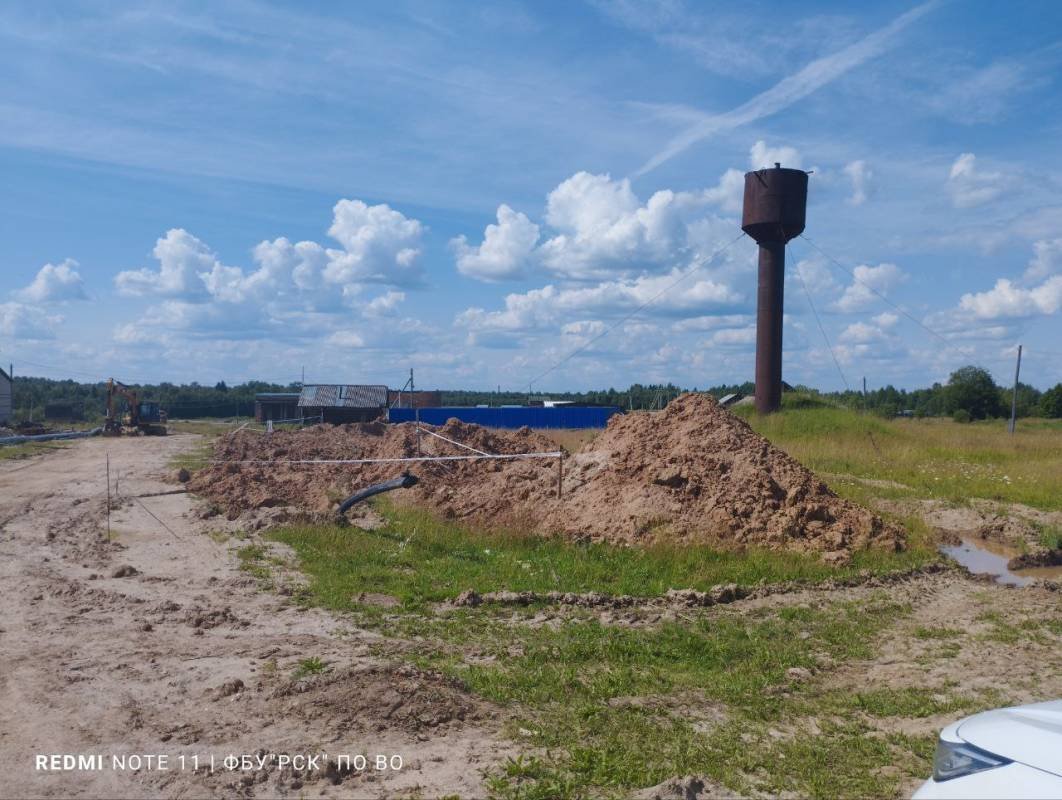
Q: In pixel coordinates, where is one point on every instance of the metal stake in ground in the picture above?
(774, 212)
(108, 495)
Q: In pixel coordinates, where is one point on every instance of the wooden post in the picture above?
(416, 410)
(108, 495)
(560, 476)
(1014, 395)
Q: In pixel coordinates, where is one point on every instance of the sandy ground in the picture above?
(185, 656)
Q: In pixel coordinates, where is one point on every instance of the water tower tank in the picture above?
(775, 204)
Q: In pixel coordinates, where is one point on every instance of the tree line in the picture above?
(970, 393)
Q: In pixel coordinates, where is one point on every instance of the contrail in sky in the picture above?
(787, 91)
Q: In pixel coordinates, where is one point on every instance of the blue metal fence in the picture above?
(513, 417)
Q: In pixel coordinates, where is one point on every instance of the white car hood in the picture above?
(1029, 734)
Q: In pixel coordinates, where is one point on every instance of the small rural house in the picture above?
(340, 403)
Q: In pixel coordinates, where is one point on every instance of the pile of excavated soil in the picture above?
(693, 472)
(236, 487)
(696, 471)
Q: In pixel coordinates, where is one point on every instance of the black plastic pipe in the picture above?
(404, 481)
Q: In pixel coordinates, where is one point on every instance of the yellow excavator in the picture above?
(143, 417)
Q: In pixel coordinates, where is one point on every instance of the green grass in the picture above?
(420, 559)
(204, 427)
(1031, 629)
(253, 559)
(1050, 536)
(15, 451)
(614, 709)
(309, 666)
(937, 632)
(605, 709)
(931, 458)
(910, 702)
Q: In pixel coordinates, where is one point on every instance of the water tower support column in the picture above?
(769, 305)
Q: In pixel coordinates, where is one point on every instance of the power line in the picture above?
(695, 268)
(822, 329)
(94, 376)
(868, 287)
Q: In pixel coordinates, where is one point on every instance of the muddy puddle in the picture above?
(991, 558)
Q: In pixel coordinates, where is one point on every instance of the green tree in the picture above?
(972, 389)
(1051, 402)
(1028, 400)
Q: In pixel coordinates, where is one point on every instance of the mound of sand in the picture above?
(696, 471)
(235, 484)
(693, 473)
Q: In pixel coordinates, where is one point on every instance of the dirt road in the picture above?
(152, 642)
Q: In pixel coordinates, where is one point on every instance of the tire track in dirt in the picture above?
(146, 643)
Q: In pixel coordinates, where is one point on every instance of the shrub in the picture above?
(962, 415)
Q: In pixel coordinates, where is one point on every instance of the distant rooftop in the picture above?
(338, 395)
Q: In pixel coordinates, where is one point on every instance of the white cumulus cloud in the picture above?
(380, 245)
(596, 228)
(183, 260)
(1046, 260)
(304, 261)
(551, 306)
(1007, 299)
(21, 321)
(868, 284)
(505, 249)
(761, 156)
(384, 305)
(54, 283)
(603, 228)
(729, 193)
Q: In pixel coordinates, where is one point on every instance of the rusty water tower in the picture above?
(774, 211)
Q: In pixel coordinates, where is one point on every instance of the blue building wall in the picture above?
(532, 417)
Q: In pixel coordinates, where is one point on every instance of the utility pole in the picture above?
(1014, 395)
(416, 409)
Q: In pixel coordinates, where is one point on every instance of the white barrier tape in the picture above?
(451, 441)
(557, 454)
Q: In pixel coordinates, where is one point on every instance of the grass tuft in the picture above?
(309, 666)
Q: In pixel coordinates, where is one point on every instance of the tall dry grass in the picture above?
(935, 458)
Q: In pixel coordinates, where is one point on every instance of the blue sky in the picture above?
(208, 191)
